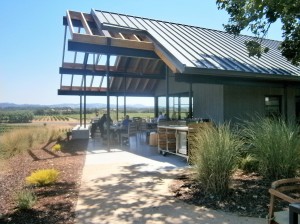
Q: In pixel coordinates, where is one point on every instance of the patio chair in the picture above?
(143, 128)
(286, 190)
(131, 131)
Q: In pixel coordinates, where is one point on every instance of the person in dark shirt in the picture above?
(126, 122)
(104, 122)
(94, 122)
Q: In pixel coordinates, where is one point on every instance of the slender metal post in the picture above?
(285, 103)
(156, 106)
(80, 110)
(167, 93)
(108, 96)
(117, 109)
(125, 84)
(86, 56)
(191, 101)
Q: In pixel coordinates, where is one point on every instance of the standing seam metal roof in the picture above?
(204, 48)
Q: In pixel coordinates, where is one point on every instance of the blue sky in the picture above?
(31, 40)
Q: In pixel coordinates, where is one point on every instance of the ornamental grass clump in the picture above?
(276, 145)
(214, 156)
(25, 199)
(43, 177)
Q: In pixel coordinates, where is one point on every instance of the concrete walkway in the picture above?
(131, 186)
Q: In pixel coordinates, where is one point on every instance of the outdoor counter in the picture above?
(173, 139)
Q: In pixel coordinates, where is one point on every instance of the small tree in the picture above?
(258, 15)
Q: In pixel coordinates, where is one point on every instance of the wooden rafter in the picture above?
(145, 84)
(70, 24)
(138, 81)
(128, 83)
(120, 83)
(92, 81)
(85, 25)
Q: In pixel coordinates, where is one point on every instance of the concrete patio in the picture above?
(130, 185)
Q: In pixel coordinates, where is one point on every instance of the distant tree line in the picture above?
(16, 117)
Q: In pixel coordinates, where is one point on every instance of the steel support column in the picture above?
(125, 85)
(108, 96)
(80, 110)
(167, 93)
(191, 101)
(86, 56)
(285, 103)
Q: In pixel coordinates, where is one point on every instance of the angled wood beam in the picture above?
(146, 64)
(85, 25)
(71, 28)
(128, 83)
(137, 63)
(154, 65)
(92, 81)
(119, 85)
(101, 82)
(152, 84)
(117, 62)
(77, 16)
(136, 84)
(145, 84)
(136, 37)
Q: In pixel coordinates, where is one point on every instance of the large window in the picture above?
(178, 106)
(273, 106)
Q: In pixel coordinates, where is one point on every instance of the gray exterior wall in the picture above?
(209, 102)
(231, 102)
(174, 87)
(240, 102)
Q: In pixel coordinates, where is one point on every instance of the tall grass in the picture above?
(214, 157)
(20, 140)
(276, 145)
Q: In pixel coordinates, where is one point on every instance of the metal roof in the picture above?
(140, 49)
(196, 47)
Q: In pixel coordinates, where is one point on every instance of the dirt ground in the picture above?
(55, 203)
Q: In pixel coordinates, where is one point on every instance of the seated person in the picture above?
(124, 126)
(103, 123)
(125, 123)
(161, 117)
(94, 122)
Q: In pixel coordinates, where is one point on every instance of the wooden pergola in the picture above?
(110, 61)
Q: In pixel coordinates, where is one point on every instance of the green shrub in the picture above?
(56, 147)
(276, 145)
(249, 164)
(214, 157)
(25, 199)
(43, 177)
